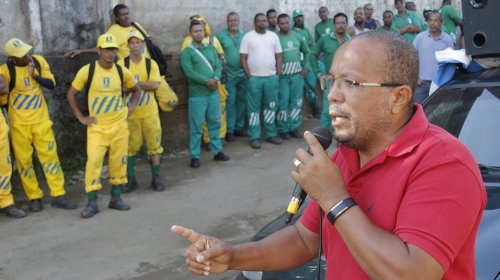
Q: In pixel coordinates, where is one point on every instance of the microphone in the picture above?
(324, 137)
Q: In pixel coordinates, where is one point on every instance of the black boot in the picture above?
(91, 209)
(14, 212)
(157, 185)
(63, 203)
(35, 205)
(117, 203)
(131, 185)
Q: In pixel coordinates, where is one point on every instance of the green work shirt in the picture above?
(411, 18)
(197, 70)
(293, 46)
(327, 45)
(450, 18)
(231, 46)
(322, 29)
(393, 29)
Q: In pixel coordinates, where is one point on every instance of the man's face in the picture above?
(411, 6)
(260, 24)
(108, 54)
(123, 17)
(359, 16)
(197, 33)
(400, 6)
(340, 25)
(135, 45)
(388, 17)
(359, 114)
(426, 15)
(299, 20)
(284, 24)
(323, 14)
(434, 22)
(272, 19)
(233, 23)
(368, 9)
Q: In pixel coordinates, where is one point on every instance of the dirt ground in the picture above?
(230, 200)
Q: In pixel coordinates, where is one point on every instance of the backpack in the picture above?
(154, 51)
(12, 71)
(91, 77)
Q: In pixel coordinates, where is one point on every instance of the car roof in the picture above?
(490, 77)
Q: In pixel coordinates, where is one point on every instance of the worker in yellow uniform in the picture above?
(214, 41)
(121, 29)
(6, 197)
(30, 124)
(144, 123)
(107, 127)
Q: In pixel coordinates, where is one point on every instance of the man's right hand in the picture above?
(88, 120)
(72, 53)
(206, 254)
(212, 84)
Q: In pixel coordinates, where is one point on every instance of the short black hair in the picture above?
(388, 11)
(196, 22)
(340, 15)
(283, 16)
(270, 11)
(117, 8)
(233, 13)
(258, 15)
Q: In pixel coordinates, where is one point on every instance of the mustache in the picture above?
(337, 110)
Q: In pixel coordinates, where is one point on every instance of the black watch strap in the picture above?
(339, 209)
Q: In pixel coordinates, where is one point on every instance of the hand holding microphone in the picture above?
(324, 137)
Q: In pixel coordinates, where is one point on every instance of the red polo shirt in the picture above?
(425, 188)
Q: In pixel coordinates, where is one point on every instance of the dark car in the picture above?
(469, 108)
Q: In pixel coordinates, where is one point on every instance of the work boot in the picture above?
(274, 140)
(285, 135)
(63, 203)
(195, 163)
(207, 146)
(255, 144)
(14, 212)
(117, 203)
(131, 185)
(35, 205)
(240, 133)
(316, 113)
(91, 209)
(230, 137)
(157, 185)
(295, 134)
(220, 156)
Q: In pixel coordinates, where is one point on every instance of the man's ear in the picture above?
(401, 96)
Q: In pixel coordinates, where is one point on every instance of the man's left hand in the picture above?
(318, 175)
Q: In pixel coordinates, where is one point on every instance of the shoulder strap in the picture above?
(148, 66)
(37, 65)
(90, 77)
(12, 74)
(202, 57)
(139, 29)
(120, 73)
(127, 62)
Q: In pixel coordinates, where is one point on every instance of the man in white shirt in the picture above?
(260, 55)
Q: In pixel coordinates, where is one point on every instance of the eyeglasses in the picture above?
(328, 81)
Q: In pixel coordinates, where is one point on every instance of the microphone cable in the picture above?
(320, 252)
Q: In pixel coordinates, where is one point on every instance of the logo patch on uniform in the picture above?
(124, 160)
(106, 82)
(290, 44)
(16, 44)
(50, 146)
(27, 82)
(136, 77)
(109, 39)
(327, 30)
(272, 104)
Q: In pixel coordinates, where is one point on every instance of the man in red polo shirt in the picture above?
(400, 197)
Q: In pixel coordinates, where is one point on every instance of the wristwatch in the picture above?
(339, 208)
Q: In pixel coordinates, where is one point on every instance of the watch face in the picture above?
(478, 4)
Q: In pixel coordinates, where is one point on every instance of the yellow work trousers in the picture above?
(24, 137)
(148, 129)
(6, 198)
(101, 139)
(223, 122)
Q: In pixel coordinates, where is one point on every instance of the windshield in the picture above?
(473, 116)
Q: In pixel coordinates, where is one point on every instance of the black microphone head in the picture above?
(323, 135)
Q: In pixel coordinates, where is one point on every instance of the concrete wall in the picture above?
(53, 27)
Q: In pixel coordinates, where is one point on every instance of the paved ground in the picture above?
(230, 200)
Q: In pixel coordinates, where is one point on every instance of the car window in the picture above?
(473, 116)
